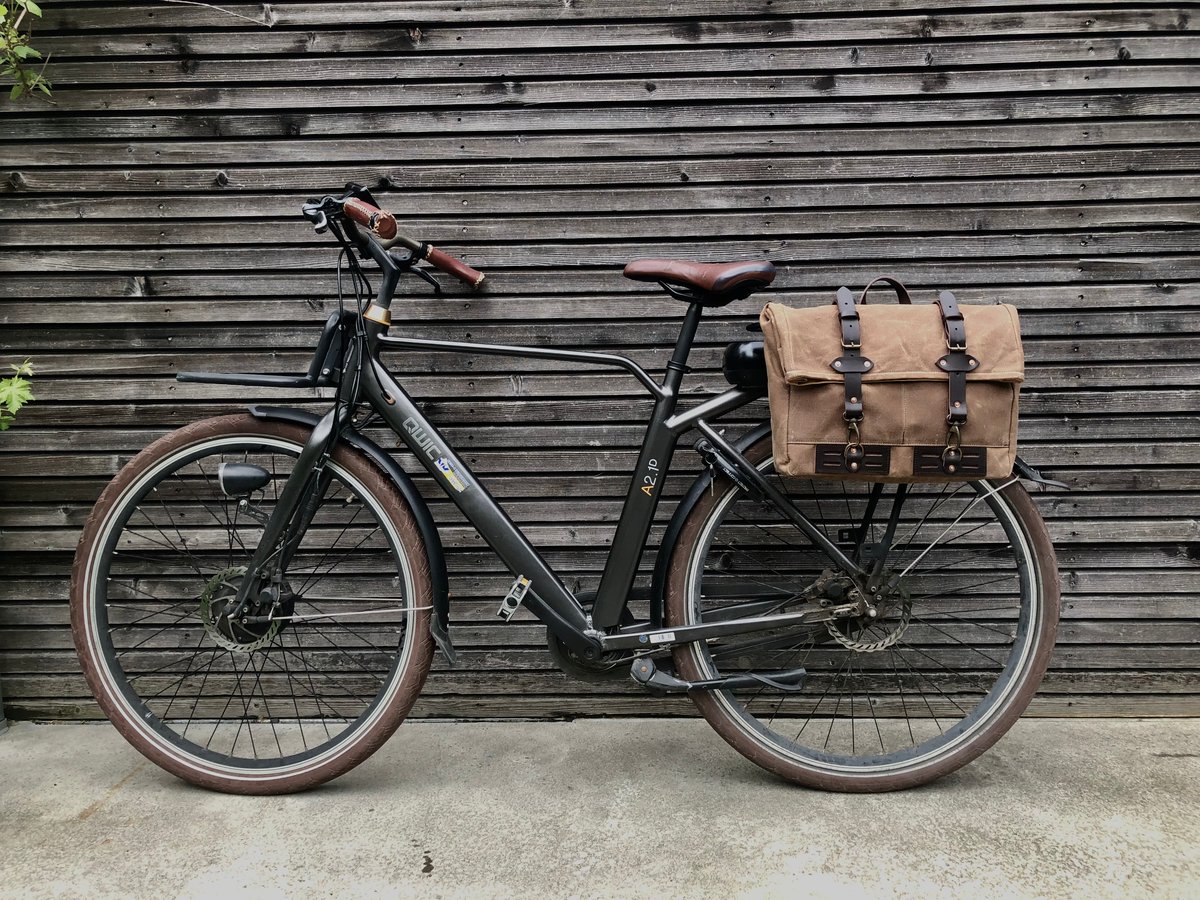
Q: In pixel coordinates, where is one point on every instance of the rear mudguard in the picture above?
(658, 583)
(440, 624)
(701, 484)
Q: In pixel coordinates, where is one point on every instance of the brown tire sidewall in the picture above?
(729, 728)
(412, 544)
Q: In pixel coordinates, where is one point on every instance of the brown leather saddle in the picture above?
(709, 284)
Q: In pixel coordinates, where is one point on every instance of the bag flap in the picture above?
(903, 342)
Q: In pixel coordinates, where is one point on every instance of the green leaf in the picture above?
(24, 369)
(17, 90)
(44, 87)
(33, 7)
(14, 393)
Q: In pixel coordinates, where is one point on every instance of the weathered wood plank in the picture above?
(599, 118)
(1080, 308)
(189, 59)
(567, 435)
(1159, 275)
(464, 205)
(552, 707)
(546, 255)
(762, 225)
(581, 173)
(1092, 16)
(529, 92)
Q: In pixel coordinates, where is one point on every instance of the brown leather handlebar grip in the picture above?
(382, 224)
(453, 266)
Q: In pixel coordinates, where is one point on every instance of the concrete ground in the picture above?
(632, 808)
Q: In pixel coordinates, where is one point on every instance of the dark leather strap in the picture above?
(851, 365)
(848, 317)
(952, 320)
(956, 364)
(901, 290)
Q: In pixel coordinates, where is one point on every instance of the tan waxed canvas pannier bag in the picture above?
(884, 392)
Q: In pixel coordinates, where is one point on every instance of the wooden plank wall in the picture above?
(1040, 153)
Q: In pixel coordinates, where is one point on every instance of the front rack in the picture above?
(323, 371)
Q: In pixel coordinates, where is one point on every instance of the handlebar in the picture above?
(383, 225)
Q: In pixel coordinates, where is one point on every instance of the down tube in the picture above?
(548, 597)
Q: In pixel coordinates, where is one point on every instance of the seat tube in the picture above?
(645, 487)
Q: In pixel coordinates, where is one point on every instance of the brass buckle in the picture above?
(854, 453)
(952, 455)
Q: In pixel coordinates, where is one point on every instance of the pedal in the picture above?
(512, 600)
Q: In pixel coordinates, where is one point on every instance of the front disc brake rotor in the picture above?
(220, 591)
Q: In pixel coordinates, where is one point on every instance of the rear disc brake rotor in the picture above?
(870, 635)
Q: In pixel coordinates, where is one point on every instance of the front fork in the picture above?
(294, 510)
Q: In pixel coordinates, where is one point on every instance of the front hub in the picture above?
(253, 630)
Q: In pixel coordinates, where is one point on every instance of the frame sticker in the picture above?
(450, 474)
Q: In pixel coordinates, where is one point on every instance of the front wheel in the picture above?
(961, 629)
(324, 669)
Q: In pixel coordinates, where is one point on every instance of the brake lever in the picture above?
(407, 262)
(316, 211)
(425, 276)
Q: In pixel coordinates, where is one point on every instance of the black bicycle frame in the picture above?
(548, 598)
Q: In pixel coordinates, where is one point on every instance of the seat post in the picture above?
(677, 366)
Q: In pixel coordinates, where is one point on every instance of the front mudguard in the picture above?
(440, 623)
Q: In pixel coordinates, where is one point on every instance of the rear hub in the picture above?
(889, 611)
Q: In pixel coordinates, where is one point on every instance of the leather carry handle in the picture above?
(383, 225)
(894, 283)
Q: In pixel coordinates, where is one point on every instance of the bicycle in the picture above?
(256, 598)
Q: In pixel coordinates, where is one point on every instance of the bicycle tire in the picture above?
(150, 732)
(755, 736)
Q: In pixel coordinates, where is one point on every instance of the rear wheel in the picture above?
(962, 628)
(320, 673)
